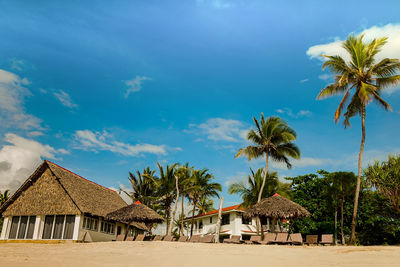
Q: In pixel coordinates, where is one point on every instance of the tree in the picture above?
(250, 191)
(365, 80)
(201, 186)
(166, 189)
(385, 177)
(4, 197)
(272, 138)
(144, 187)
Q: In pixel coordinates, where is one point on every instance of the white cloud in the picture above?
(390, 50)
(35, 133)
(12, 110)
(289, 112)
(65, 99)
(305, 162)
(325, 77)
(17, 64)
(240, 177)
(304, 80)
(218, 129)
(20, 158)
(135, 85)
(97, 141)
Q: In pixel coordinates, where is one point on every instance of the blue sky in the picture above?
(107, 87)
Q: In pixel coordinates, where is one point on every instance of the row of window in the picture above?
(22, 227)
(225, 220)
(92, 224)
(107, 228)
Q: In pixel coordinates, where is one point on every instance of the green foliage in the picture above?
(385, 177)
(249, 191)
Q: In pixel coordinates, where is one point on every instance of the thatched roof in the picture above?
(135, 213)
(52, 189)
(277, 207)
(140, 225)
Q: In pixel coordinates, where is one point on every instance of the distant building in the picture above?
(56, 204)
(233, 223)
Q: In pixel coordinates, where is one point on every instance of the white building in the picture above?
(233, 223)
(56, 204)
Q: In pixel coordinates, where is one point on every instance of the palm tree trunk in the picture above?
(342, 221)
(171, 223)
(182, 214)
(335, 236)
(354, 219)
(168, 211)
(191, 227)
(218, 226)
(259, 229)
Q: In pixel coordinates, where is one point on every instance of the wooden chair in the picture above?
(281, 238)
(120, 238)
(207, 239)
(129, 238)
(269, 238)
(194, 238)
(295, 239)
(158, 238)
(183, 239)
(235, 239)
(326, 239)
(140, 237)
(311, 240)
(254, 239)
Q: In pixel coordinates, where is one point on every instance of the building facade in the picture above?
(56, 204)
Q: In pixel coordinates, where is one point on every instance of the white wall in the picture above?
(6, 226)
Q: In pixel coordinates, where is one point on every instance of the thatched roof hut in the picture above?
(277, 207)
(136, 212)
(51, 189)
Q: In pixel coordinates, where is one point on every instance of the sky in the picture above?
(104, 88)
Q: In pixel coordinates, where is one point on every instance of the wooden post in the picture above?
(216, 237)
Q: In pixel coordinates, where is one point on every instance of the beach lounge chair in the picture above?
(311, 240)
(235, 239)
(281, 238)
(183, 238)
(158, 238)
(254, 239)
(295, 239)
(129, 238)
(269, 238)
(194, 238)
(140, 237)
(326, 239)
(207, 239)
(168, 238)
(120, 238)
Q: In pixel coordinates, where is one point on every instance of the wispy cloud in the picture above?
(325, 77)
(65, 99)
(104, 141)
(217, 4)
(12, 97)
(304, 80)
(289, 112)
(135, 84)
(219, 129)
(17, 64)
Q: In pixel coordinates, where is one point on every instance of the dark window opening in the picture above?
(225, 219)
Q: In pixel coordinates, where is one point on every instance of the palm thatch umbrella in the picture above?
(136, 212)
(277, 207)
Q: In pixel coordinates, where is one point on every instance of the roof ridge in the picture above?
(80, 176)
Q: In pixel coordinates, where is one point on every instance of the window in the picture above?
(107, 228)
(90, 223)
(210, 219)
(201, 225)
(58, 227)
(246, 220)
(22, 227)
(225, 219)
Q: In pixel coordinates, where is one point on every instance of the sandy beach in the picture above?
(191, 254)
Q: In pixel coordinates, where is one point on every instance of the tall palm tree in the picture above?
(166, 189)
(205, 204)
(143, 186)
(364, 79)
(250, 191)
(273, 138)
(201, 187)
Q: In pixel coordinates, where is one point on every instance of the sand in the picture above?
(189, 254)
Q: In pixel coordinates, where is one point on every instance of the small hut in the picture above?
(277, 208)
(137, 216)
